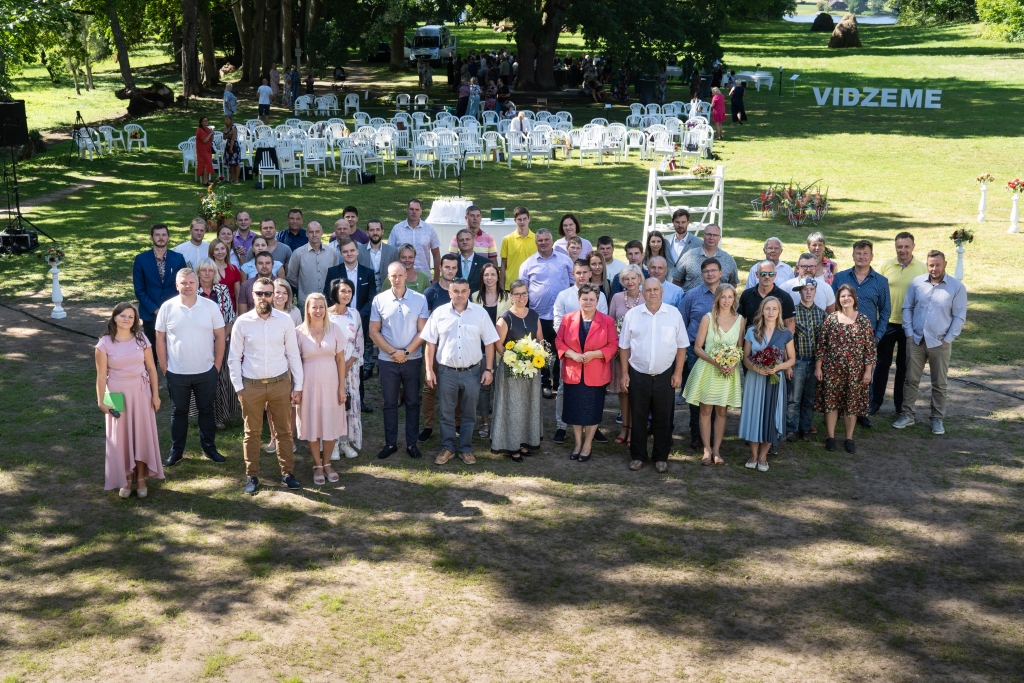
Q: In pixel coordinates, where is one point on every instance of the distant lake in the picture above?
(809, 19)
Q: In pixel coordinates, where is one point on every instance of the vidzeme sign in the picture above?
(879, 97)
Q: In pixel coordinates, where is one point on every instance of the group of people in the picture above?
(288, 325)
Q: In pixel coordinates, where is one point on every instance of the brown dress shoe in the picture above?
(636, 464)
(468, 458)
(661, 467)
(443, 457)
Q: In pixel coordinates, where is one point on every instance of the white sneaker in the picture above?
(271, 447)
(336, 453)
(903, 421)
(937, 428)
(349, 451)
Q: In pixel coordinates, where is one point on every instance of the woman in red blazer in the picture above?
(587, 344)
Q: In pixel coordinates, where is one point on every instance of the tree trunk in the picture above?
(211, 76)
(122, 47)
(74, 75)
(287, 35)
(547, 43)
(190, 85)
(397, 49)
(270, 31)
(88, 66)
(526, 49)
(259, 24)
(176, 45)
(238, 8)
(312, 16)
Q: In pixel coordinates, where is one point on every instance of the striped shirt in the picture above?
(808, 325)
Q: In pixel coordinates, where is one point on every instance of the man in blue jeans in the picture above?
(809, 318)
(190, 345)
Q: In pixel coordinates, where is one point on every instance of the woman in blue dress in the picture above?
(763, 420)
(474, 99)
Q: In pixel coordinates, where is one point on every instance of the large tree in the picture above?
(211, 76)
(190, 85)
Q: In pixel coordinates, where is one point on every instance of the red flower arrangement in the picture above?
(1015, 185)
(768, 358)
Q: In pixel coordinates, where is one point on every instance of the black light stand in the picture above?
(76, 149)
(16, 238)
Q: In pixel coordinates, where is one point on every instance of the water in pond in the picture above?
(809, 19)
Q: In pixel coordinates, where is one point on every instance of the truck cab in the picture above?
(435, 42)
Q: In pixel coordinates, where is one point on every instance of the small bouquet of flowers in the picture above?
(135, 135)
(702, 171)
(829, 254)
(53, 257)
(962, 236)
(525, 358)
(768, 358)
(985, 179)
(726, 355)
(1015, 185)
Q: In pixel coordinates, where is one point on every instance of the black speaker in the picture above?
(13, 124)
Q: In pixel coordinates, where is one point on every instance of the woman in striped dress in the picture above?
(710, 386)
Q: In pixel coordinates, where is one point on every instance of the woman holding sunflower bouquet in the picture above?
(516, 425)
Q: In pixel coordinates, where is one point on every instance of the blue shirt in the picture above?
(399, 320)
(545, 278)
(872, 297)
(293, 241)
(934, 312)
(671, 294)
(695, 305)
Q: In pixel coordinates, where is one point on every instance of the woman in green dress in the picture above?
(710, 385)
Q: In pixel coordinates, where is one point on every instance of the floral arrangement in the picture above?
(829, 254)
(985, 179)
(768, 358)
(961, 236)
(214, 204)
(135, 135)
(702, 171)
(727, 356)
(766, 204)
(1015, 185)
(525, 358)
(795, 203)
(53, 256)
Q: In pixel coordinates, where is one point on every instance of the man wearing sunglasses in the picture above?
(773, 252)
(750, 300)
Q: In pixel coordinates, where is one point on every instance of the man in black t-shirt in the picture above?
(750, 300)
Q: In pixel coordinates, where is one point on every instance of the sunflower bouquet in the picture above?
(726, 355)
(525, 358)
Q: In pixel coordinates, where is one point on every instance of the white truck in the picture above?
(435, 42)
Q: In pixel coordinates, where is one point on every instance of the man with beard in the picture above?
(153, 274)
(264, 268)
(266, 372)
(377, 256)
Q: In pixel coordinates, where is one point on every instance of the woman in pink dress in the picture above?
(348, 320)
(321, 415)
(124, 365)
(717, 110)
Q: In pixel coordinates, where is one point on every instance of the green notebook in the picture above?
(115, 401)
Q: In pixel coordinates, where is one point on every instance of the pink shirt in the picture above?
(483, 244)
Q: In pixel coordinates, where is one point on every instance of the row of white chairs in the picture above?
(93, 142)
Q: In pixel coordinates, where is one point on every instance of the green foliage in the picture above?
(821, 6)
(761, 9)
(857, 6)
(329, 42)
(26, 27)
(1003, 18)
(937, 11)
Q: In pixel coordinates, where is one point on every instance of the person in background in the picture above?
(483, 243)
(260, 246)
(712, 388)
(194, 250)
(232, 156)
(293, 236)
(437, 295)
(809, 319)
(321, 415)
(264, 268)
(243, 236)
(694, 306)
(363, 284)
(282, 302)
(546, 273)
(517, 246)
(844, 361)
(682, 241)
(190, 346)
(264, 93)
(900, 271)
(225, 402)
(521, 124)
(763, 419)
(460, 339)
(415, 280)
(153, 277)
(655, 247)
(587, 343)
(826, 267)
(470, 263)
(124, 365)
(294, 81)
(230, 103)
(420, 235)
(661, 82)
(348, 226)
(671, 295)
(377, 256)
(280, 251)
(872, 296)
(599, 275)
(717, 112)
(568, 227)
(806, 266)
(652, 352)
(473, 108)
(496, 302)
(308, 266)
(226, 273)
(310, 83)
(635, 257)
(612, 265)
(275, 82)
(688, 268)
(397, 317)
(462, 104)
(739, 111)
(631, 279)
(226, 234)
(204, 151)
(934, 313)
(751, 299)
(772, 252)
(266, 372)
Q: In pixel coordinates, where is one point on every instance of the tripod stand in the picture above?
(76, 128)
(16, 238)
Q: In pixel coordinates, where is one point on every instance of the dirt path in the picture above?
(83, 184)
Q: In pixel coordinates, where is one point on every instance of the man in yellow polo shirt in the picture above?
(900, 271)
(516, 248)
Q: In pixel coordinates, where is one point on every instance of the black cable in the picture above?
(48, 322)
(977, 385)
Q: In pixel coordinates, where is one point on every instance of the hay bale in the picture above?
(845, 33)
(823, 22)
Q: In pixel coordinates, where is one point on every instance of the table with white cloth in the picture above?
(758, 77)
(448, 216)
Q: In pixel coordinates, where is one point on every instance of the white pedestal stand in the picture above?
(58, 312)
(981, 204)
(958, 273)
(1013, 214)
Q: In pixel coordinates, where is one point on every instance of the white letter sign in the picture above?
(879, 97)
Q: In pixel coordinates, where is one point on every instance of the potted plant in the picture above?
(215, 206)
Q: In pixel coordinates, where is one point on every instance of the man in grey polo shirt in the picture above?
(687, 273)
(397, 317)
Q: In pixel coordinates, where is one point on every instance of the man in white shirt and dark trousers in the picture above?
(568, 302)
(652, 350)
(195, 250)
(419, 234)
(459, 335)
(377, 256)
(266, 372)
(264, 92)
(190, 347)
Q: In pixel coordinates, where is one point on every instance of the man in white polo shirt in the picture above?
(195, 250)
(190, 346)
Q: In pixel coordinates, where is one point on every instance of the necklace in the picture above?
(636, 302)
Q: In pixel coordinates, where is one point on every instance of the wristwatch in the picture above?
(489, 370)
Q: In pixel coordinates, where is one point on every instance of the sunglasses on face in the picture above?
(765, 273)
(263, 294)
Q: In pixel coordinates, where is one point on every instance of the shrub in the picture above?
(1003, 18)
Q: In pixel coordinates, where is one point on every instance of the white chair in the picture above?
(267, 169)
(351, 102)
(504, 126)
(372, 156)
(377, 122)
(264, 132)
(529, 114)
(448, 156)
(403, 100)
(322, 106)
(563, 116)
(518, 146)
(490, 120)
(590, 143)
(575, 138)
(421, 157)
(564, 126)
(678, 106)
(314, 155)
(252, 124)
(635, 122)
(673, 127)
(360, 119)
(289, 164)
(635, 139)
(448, 122)
(494, 142)
(188, 153)
(112, 137)
(351, 161)
(282, 131)
(636, 109)
(420, 101)
(705, 110)
(540, 146)
(472, 147)
(87, 145)
(136, 135)
(662, 144)
(335, 120)
(292, 123)
(421, 121)
(469, 122)
(303, 104)
(403, 118)
(600, 122)
(544, 115)
(653, 108)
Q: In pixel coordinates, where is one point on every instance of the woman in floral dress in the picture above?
(225, 403)
(347, 318)
(845, 360)
(632, 278)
